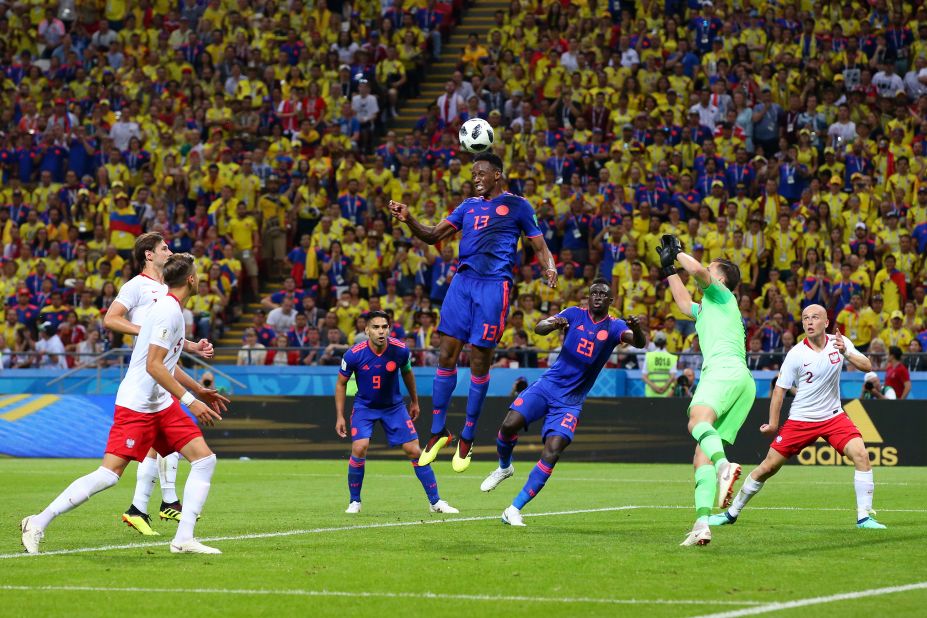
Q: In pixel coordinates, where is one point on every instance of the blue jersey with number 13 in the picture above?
(490, 233)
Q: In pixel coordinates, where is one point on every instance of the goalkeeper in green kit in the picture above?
(726, 389)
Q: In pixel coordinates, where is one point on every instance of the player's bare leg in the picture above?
(444, 384)
(202, 465)
(701, 426)
(480, 362)
(356, 466)
(506, 440)
(78, 492)
(752, 485)
(426, 477)
(136, 516)
(863, 484)
(554, 446)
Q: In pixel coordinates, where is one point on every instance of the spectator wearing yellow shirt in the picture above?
(786, 244)
(851, 323)
(674, 339)
(874, 316)
(890, 283)
(473, 53)
(243, 235)
(96, 281)
(637, 295)
(125, 225)
(896, 334)
(274, 209)
(369, 264)
(206, 306)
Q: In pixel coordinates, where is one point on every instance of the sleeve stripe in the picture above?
(452, 225)
(534, 235)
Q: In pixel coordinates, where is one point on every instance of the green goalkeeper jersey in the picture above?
(720, 329)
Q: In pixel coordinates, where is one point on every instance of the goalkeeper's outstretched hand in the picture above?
(669, 248)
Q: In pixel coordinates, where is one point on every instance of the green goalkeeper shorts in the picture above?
(730, 396)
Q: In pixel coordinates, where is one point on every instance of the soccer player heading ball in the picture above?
(726, 390)
(815, 366)
(557, 398)
(477, 301)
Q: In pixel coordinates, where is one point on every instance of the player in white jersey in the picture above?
(814, 366)
(148, 414)
(125, 316)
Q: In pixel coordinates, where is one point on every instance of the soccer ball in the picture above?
(476, 135)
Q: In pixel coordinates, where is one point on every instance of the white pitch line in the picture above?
(560, 478)
(379, 595)
(420, 522)
(284, 533)
(846, 596)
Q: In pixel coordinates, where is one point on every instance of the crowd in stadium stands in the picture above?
(790, 138)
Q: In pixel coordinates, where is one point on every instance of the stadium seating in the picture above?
(788, 140)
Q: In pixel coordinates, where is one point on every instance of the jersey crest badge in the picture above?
(834, 358)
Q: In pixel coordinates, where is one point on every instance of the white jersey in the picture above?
(137, 295)
(163, 327)
(817, 375)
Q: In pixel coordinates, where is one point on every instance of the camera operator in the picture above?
(874, 389)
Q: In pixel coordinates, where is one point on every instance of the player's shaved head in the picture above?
(814, 321)
(814, 309)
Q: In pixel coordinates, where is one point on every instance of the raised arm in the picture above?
(694, 268)
(635, 336)
(680, 294)
(549, 325)
(428, 234)
(856, 358)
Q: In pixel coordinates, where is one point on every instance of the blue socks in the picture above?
(505, 446)
(478, 387)
(536, 480)
(356, 477)
(444, 384)
(426, 477)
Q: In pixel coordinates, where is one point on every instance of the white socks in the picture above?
(747, 491)
(864, 485)
(76, 494)
(167, 471)
(194, 496)
(144, 483)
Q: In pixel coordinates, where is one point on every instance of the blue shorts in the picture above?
(475, 309)
(396, 423)
(535, 403)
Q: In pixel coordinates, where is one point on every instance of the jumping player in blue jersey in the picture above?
(378, 363)
(557, 398)
(477, 301)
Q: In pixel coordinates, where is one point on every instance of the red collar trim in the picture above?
(175, 298)
(147, 277)
(808, 343)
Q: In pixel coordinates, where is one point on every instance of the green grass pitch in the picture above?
(602, 540)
